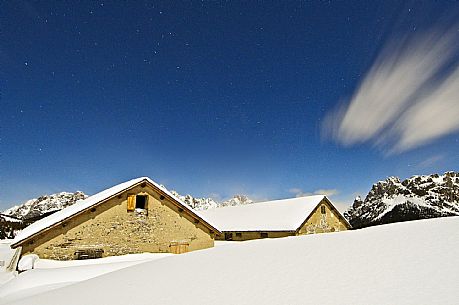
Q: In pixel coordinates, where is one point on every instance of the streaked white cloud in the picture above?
(433, 160)
(409, 97)
(433, 116)
(327, 192)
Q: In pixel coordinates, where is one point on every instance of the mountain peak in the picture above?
(210, 203)
(420, 196)
(36, 207)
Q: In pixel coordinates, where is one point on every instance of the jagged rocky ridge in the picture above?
(46, 204)
(18, 217)
(209, 203)
(9, 226)
(418, 197)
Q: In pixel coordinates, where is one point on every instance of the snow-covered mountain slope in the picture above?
(9, 226)
(209, 203)
(404, 263)
(196, 203)
(18, 217)
(37, 207)
(418, 197)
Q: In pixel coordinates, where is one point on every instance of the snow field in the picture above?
(50, 274)
(405, 263)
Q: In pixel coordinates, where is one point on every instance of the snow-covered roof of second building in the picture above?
(277, 215)
(82, 205)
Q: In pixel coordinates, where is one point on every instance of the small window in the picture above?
(238, 234)
(89, 253)
(228, 236)
(264, 235)
(141, 202)
(322, 209)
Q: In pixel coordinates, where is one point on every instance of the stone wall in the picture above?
(112, 228)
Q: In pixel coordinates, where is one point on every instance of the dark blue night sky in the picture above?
(217, 98)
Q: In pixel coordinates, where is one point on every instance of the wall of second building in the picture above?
(116, 231)
(249, 235)
(319, 222)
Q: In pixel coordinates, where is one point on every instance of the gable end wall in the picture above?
(115, 230)
(317, 222)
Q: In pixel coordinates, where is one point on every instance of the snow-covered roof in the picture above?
(82, 205)
(277, 215)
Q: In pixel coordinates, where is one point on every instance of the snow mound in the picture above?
(27, 262)
(49, 274)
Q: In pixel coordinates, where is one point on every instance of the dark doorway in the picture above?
(141, 202)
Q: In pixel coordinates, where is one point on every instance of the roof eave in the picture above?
(145, 179)
(76, 214)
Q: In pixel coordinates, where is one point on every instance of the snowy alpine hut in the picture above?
(133, 217)
(278, 218)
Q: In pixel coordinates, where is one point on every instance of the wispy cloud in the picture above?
(299, 192)
(430, 161)
(409, 97)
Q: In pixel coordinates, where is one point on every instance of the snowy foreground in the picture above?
(405, 263)
(50, 274)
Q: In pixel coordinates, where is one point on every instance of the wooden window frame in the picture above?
(130, 204)
(323, 210)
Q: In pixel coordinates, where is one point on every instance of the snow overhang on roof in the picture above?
(277, 215)
(82, 205)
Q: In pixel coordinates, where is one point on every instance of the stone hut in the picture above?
(133, 217)
(279, 218)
